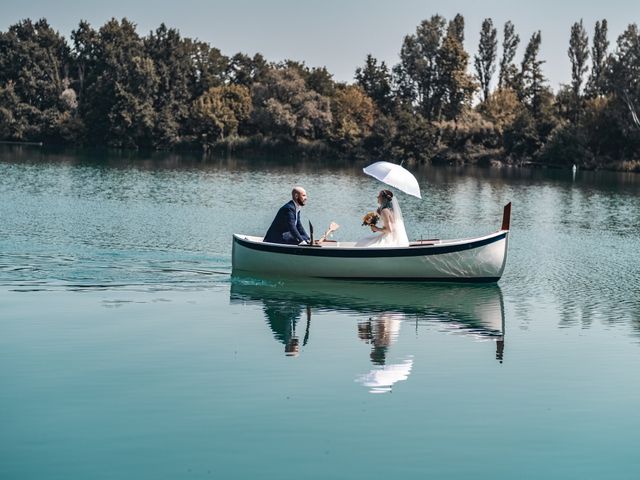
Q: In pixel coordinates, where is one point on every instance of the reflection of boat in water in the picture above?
(472, 309)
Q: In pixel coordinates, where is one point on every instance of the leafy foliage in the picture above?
(376, 81)
(532, 81)
(218, 112)
(113, 87)
(282, 105)
(508, 71)
(353, 113)
(484, 62)
(596, 82)
(578, 55)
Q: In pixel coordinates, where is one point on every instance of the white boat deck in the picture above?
(416, 243)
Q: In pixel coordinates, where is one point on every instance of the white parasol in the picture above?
(395, 176)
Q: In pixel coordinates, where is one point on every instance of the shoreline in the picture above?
(260, 150)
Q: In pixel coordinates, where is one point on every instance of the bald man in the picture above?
(286, 227)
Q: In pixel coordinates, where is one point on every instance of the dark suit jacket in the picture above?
(286, 228)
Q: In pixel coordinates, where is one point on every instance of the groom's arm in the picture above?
(302, 231)
(293, 227)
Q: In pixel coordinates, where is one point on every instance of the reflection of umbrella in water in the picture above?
(395, 176)
(380, 380)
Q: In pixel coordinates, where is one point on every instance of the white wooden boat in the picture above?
(480, 259)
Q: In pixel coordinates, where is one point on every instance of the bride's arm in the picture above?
(388, 222)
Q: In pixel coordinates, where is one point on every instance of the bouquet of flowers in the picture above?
(370, 218)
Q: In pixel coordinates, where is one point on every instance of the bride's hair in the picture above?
(387, 196)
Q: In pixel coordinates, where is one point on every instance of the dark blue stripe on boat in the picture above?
(420, 279)
(366, 252)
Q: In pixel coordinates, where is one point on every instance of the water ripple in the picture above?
(97, 225)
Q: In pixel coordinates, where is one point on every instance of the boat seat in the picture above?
(422, 243)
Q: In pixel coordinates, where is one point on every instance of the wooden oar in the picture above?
(332, 228)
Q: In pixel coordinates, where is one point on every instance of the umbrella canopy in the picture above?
(395, 176)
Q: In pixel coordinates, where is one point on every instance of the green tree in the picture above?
(565, 103)
(502, 107)
(600, 123)
(596, 82)
(283, 106)
(121, 112)
(567, 145)
(417, 74)
(521, 138)
(532, 79)
(218, 112)
(508, 77)
(36, 59)
(34, 62)
(321, 81)
(376, 81)
(403, 86)
(379, 144)
(13, 121)
(456, 28)
(530, 129)
(623, 78)
(455, 85)
(210, 66)
(578, 55)
(317, 78)
(245, 70)
(299, 67)
(414, 138)
(85, 48)
(485, 61)
(353, 114)
(179, 80)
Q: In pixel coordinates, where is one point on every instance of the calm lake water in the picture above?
(127, 350)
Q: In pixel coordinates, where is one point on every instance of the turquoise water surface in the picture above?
(127, 350)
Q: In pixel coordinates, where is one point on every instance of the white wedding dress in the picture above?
(396, 238)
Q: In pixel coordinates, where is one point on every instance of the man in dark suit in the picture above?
(286, 227)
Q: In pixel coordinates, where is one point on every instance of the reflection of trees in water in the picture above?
(577, 257)
(582, 307)
(595, 289)
(608, 312)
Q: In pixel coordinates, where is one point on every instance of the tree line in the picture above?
(112, 87)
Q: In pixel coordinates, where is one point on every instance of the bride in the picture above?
(392, 233)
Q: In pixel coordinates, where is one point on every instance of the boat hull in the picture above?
(480, 259)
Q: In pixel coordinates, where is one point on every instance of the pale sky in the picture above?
(332, 33)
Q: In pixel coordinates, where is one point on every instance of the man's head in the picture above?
(292, 347)
(299, 196)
